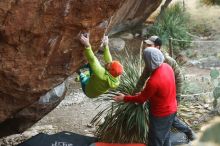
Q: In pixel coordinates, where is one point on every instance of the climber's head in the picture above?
(114, 68)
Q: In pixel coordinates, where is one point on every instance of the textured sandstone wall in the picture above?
(39, 49)
(131, 13)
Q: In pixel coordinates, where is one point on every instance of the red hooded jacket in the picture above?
(160, 91)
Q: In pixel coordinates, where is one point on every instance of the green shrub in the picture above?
(191, 87)
(201, 29)
(216, 92)
(173, 23)
(211, 2)
(132, 71)
(124, 123)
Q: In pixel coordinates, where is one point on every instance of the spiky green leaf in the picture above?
(216, 92)
(214, 73)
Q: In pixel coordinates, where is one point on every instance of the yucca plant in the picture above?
(132, 71)
(173, 23)
(124, 122)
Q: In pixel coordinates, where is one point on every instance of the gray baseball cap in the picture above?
(153, 40)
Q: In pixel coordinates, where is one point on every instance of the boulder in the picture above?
(132, 13)
(116, 44)
(127, 36)
(39, 49)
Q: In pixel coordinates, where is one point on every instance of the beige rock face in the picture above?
(131, 13)
(39, 49)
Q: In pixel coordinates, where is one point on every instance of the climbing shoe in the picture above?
(191, 135)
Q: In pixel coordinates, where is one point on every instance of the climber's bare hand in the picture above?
(84, 39)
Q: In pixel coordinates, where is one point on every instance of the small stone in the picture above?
(92, 130)
(206, 105)
(29, 134)
(127, 36)
(195, 122)
(137, 35)
(89, 125)
(90, 135)
(116, 44)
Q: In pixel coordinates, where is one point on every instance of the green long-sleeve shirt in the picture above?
(178, 75)
(101, 80)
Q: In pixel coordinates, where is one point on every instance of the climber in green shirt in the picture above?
(101, 79)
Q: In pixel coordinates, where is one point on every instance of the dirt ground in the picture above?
(74, 113)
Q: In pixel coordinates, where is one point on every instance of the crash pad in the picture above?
(59, 139)
(115, 144)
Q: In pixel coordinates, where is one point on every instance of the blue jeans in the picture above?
(159, 130)
(181, 126)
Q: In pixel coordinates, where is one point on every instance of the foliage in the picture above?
(210, 136)
(201, 29)
(211, 2)
(124, 122)
(173, 23)
(216, 92)
(190, 87)
(214, 74)
(132, 68)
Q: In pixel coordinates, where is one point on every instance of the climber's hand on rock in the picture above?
(105, 41)
(84, 39)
